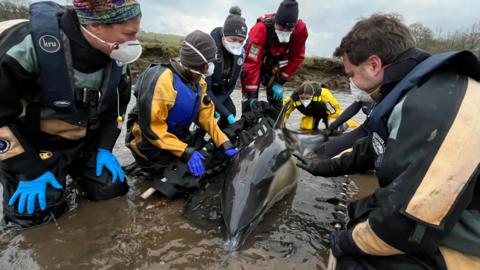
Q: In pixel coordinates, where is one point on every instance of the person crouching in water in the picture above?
(315, 103)
(228, 65)
(170, 97)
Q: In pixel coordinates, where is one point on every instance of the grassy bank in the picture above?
(326, 70)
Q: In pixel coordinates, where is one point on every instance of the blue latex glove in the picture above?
(277, 91)
(231, 152)
(28, 191)
(216, 115)
(195, 164)
(252, 102)
(106, 159)
(231, 119)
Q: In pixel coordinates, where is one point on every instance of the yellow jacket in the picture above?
(155, 109)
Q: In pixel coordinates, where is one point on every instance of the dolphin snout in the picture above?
(233, 242)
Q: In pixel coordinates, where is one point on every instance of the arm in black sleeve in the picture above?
(219, 107)
(110, 126)
(359, 160)
(347, 114)
(17, 84)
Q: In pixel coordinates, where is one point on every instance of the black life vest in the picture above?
(223, 84)
(52, 48)
(377, 121)
(269, 59)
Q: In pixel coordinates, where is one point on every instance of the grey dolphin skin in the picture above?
(261, 175)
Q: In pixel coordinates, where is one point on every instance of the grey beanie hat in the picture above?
(193, 45)
(235, 24)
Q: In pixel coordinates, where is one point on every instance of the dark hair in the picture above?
(380, 34)
(309, 88)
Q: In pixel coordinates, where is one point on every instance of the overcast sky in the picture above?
(327, 20)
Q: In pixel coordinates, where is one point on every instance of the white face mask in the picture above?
(234, 48)
(211, 66)
(211, 70)
(283, 37)
(306, 102)
(126, 52)
(358, 93)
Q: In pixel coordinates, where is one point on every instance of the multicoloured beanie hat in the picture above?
(106, 11)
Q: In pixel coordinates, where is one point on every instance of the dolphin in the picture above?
(261, 175)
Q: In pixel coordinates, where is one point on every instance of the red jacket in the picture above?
(257, 41)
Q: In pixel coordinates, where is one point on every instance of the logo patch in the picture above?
(253, 54)
(379, 146)
(44, 155)
(49, 44)
(4, 146)
(240, 61)
(62, 103)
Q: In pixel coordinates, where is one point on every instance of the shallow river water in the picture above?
(132, 233)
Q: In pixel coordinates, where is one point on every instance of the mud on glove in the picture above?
(195, 164)
(277, 91)
(106, 159)
(28, 191)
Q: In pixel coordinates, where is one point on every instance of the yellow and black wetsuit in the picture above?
(324, 107)
(158, 127)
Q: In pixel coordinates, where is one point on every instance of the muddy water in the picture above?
(131, 233)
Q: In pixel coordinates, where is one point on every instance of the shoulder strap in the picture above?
(378, 117)
(270, 24)
(50, 47)
(111, 81)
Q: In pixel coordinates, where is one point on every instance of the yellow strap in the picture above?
(353, 124)
(297, 103)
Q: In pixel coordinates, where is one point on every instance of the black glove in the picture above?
(315, 167)
(342, 244)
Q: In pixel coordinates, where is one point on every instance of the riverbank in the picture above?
(325, 70)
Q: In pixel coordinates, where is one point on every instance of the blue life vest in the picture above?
(52, 49)
(377, 121)
(186, 108)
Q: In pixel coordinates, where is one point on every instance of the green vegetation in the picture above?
(153, 53)
(10, 10)
(438, 41)
(171, 40)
